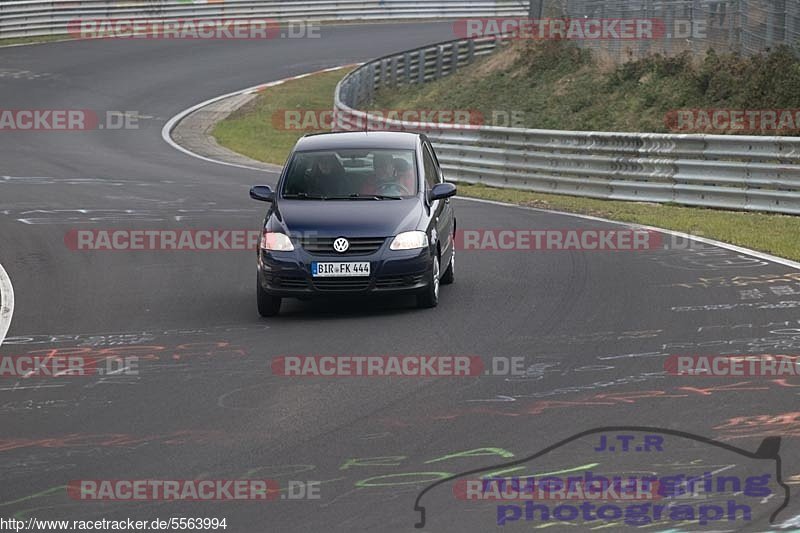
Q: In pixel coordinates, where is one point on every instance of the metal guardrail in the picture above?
(31, 18)
(733, 172)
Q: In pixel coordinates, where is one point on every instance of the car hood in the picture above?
(350, 218)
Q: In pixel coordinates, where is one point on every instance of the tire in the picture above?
(430, 298)
(268, 305)
(449, 275)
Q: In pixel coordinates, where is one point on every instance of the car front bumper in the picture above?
(288, 274)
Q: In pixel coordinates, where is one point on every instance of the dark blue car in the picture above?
(357, 213)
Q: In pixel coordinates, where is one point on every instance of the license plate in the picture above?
(332, 270)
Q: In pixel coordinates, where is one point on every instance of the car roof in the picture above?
(358, 139)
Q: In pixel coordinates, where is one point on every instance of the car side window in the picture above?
(431, 174)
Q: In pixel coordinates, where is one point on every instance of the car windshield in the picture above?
(366, 174)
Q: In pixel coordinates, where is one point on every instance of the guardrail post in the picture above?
(421, 67)
(362, 92)
(384, 74)
(407, 68)
(470, 50)
(371, 83)
(355, 92)
(454, 59)
(346, 92)
(393, 72)
(439, 62)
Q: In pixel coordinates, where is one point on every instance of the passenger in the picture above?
(326, 176)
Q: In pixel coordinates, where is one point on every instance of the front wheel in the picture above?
(430, 298)
(268, 305)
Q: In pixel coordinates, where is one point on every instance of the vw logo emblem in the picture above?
(341, 245)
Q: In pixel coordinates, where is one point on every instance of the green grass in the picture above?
(774, 234)
(250, 131)
(556, 85)
(256, 131)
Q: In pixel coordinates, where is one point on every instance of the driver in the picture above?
(404, 175)
(384, 173)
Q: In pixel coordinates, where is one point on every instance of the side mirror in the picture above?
(262, 193)
(441, 191)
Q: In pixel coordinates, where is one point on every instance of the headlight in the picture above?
(410, 240)
(276, 242)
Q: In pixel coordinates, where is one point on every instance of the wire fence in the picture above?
(746, 27)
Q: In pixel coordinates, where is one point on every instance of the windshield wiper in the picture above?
(354, 196)
(304, 196)
(357, 196)
(385, 197)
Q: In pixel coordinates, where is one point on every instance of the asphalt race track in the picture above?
(594, 327)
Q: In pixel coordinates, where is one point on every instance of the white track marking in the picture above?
(6, 303)
(738, 249)
(170, 125)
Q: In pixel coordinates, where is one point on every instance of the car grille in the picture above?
(342, 284)
(396, 282)
(358, 245)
